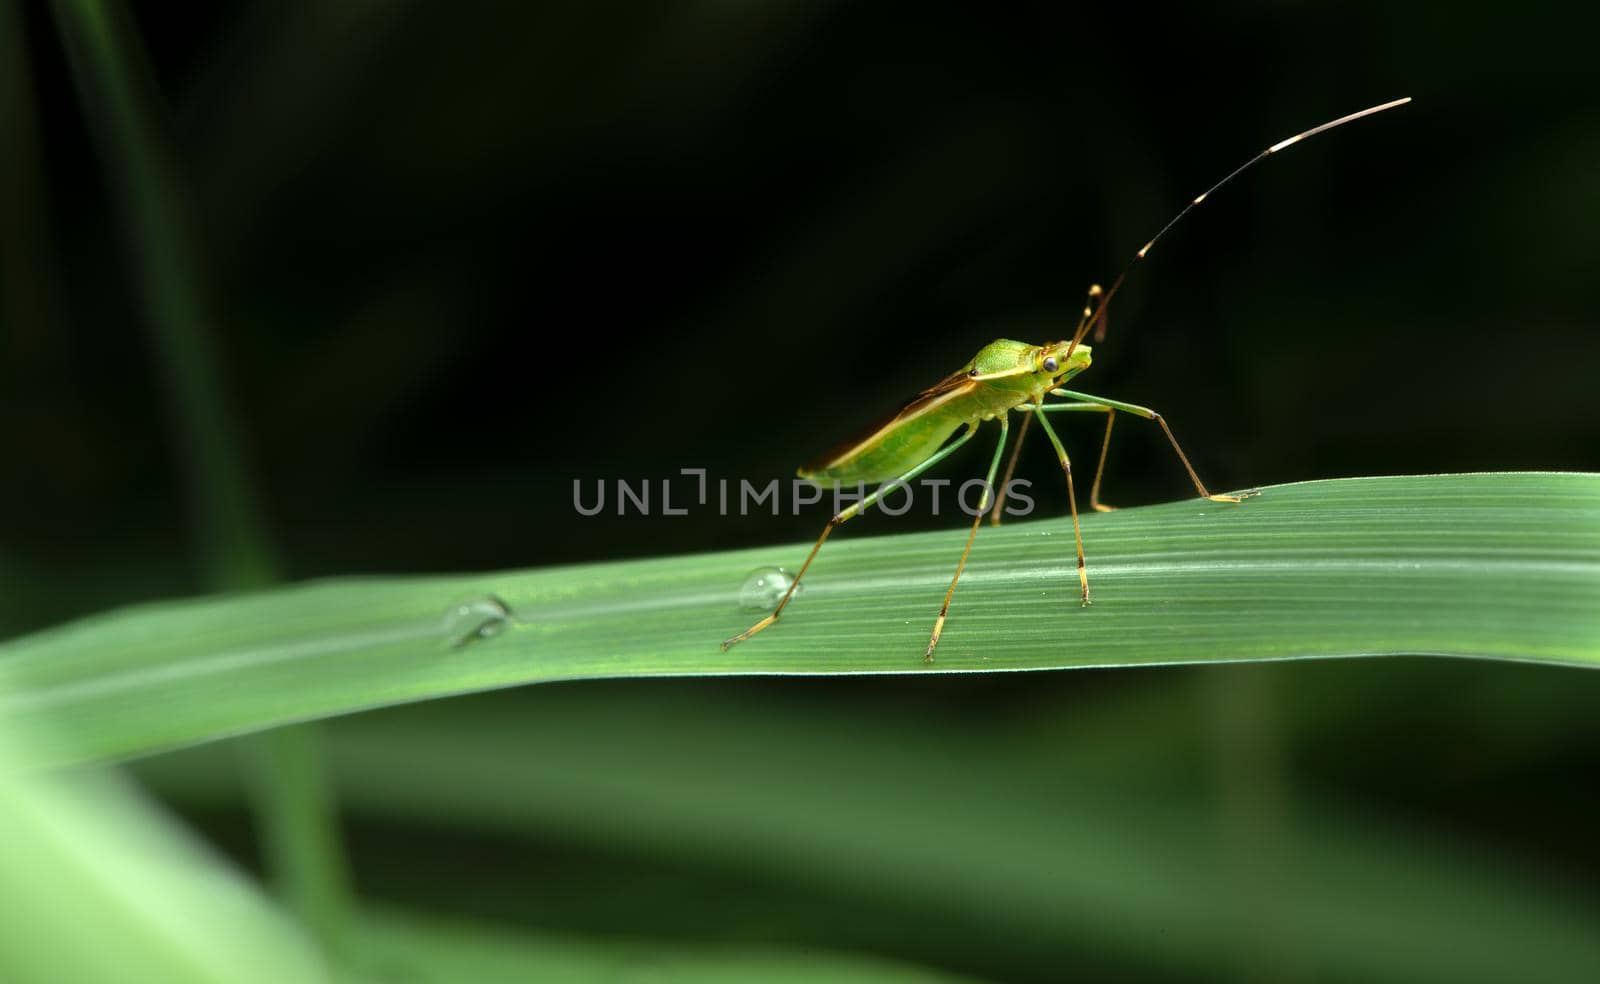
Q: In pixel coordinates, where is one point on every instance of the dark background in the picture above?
(458, 256)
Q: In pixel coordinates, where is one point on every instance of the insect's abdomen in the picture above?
(889, 454)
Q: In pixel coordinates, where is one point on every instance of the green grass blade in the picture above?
(298, 827)
(1492, 565)
(120, 100)
(296, 811)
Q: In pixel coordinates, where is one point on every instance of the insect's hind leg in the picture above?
(841, 517)
(972, 534)
(1148, 414)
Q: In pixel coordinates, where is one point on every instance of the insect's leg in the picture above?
(1072, 498)
(1105, 445)
(1150, 414)
(842, 516)
(1100, 469)
(1011, 469)
(983, 506)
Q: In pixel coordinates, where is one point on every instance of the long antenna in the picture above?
(1098, 317)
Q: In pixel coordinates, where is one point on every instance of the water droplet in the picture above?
(763, 588)
(478, 617)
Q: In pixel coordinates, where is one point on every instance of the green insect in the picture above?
(1004, 376)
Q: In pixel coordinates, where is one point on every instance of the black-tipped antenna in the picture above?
(1097, 318)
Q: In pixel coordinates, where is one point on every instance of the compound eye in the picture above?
(1050, 364)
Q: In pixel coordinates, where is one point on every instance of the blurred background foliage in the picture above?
(455, 256)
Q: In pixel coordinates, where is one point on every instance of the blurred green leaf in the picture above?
(430, 949)
(101, 886)
(1013, 838)
(1493, 565)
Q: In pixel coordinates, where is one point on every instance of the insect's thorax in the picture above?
(1008, 373)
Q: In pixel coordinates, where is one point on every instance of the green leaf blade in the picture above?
(1503, 566)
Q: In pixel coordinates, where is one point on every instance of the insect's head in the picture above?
(1052, 360)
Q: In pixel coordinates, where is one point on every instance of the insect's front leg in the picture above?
(1100, 469)
(1085, 399)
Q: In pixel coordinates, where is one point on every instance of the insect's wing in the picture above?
(946, 389)
(959, 381)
